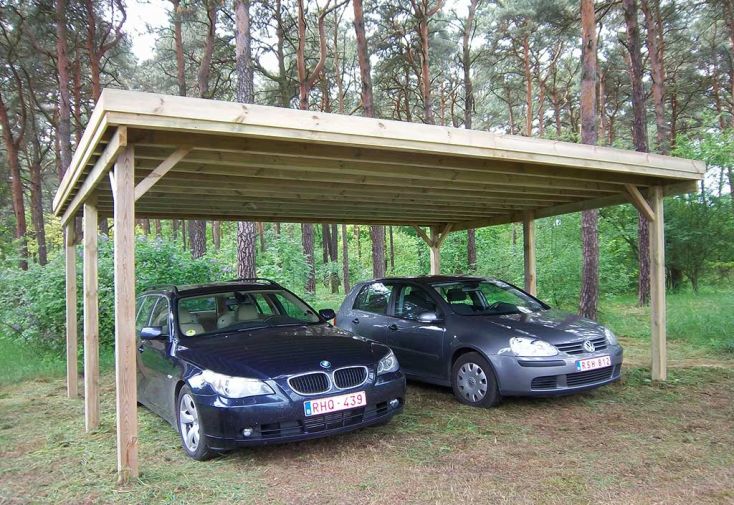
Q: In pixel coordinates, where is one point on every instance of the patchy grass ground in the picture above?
(633, 442)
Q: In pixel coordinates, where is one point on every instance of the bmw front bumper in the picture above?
(555, 375)
(280, 417)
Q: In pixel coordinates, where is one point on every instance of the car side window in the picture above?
(145, 307)
(413, 301)
(160, 314)
(374, 298)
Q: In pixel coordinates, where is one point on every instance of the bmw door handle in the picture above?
(355, 320)
(393, 327)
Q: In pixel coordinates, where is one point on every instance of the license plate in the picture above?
(593, 363)
(334, 403)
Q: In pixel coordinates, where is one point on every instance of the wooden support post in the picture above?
(528, 233)
(91, 318)
(435, 249)
(125, 379)
(72, 373)
(657, 286)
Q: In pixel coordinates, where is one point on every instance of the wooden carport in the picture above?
(157, 156)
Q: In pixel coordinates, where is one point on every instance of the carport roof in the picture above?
(230, 161)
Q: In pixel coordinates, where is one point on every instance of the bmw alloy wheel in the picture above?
(188, 420)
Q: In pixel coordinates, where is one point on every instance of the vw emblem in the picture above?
(327, 364)
(589, 346)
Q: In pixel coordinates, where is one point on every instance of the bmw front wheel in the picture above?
(189, 426)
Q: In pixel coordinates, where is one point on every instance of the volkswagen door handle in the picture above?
(355, 320)
(141, 348)
(393, 327)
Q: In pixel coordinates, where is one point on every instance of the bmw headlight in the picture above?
(530, 347)
(611, 337)
(235, 387)
(388, 364)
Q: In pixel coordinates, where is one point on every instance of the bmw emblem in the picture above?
(589, 346)
(325, 364)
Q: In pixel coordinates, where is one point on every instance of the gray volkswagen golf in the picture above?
(483, 337)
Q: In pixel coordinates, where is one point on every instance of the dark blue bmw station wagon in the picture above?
(248, 362)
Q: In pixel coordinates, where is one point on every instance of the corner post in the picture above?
(528, 233)
(125, 379)
(72, 373)
(91, 318)
(657, 286)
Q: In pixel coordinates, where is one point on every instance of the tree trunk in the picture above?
(528, 85)
(62, 65)
(197, 238)
(307, 239)
(146, 226)
(392, 252)
(471, 249)
(246, 230)
(589, 294)
(12, 144)
(729, 18)
(178, 38)
(423, 14)
(216, 235)
(639, 135)
(158, 229)
(325, 239)
(246, 238)
(656, 50)
(364, 61)
(345, 259)
(377, 234)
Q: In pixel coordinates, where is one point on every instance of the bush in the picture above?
(32, 303)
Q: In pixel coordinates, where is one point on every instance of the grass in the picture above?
(632, 442)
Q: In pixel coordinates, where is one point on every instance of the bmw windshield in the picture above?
(241, 311)
(486, 298)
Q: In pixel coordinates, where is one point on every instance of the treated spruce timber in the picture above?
(162, 169)
(164, 141)
(125, 367)
(228, 118)
(434, 242)
(192, 167)
(657, 286)
(93, 134)
(239, 194)
(203, 180)
(636, 199)
(528, 233)
(72, 372)
(228, 163)
(98, 172)
(323, 219)
(307, 212)
(91, 318)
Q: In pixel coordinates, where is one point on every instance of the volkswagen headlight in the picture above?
(611, 337)
(388, 364)
(530, 347)
(235, 387)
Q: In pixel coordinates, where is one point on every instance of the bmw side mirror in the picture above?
(429, 318)
(327, 314)
(151, 332)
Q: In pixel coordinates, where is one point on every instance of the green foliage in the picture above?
(32, 303)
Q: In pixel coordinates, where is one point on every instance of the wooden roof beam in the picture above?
(102, 166)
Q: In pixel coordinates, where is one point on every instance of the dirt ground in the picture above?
(632, 442)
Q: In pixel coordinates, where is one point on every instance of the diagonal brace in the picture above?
(161, 170)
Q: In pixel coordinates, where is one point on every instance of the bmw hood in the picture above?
(553, 326)
(275, 352)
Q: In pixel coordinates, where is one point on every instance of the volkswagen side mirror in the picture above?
(327, 314)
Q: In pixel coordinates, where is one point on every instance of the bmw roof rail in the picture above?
(163, 287)
(255, 279)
